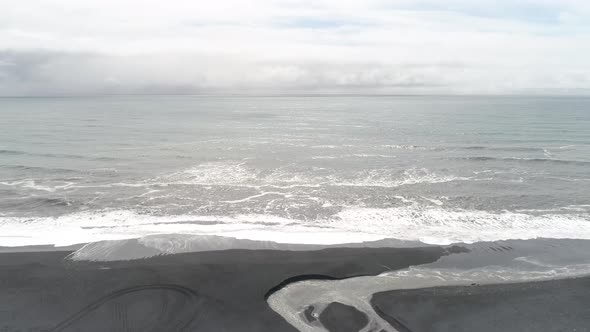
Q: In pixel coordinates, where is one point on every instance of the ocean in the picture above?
(294, 169)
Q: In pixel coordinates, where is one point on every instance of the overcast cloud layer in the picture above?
(73, 47)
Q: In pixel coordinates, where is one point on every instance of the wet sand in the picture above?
(545, 306)
(203, 291)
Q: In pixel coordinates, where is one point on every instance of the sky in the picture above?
(96, 47)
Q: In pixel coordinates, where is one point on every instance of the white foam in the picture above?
(324, 157)
(256, 196)
(433, 200)
(213, 173)
(384, 178)
(119, 225)
(239, 174)
(406, 147)
(32, 184)
(436, 225)
(428, 224)
(371, 155)
(325, 146)
(355, 155)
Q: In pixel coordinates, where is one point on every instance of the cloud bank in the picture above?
(67, 47)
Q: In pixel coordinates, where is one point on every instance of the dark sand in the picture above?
(225, 291)
(206, 291)
(343, 318)
(548, 306)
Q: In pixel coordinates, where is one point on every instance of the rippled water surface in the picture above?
(294, 169)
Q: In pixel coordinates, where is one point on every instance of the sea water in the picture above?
(297, 169)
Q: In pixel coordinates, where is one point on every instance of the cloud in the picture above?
(49, 73)
(96, 47)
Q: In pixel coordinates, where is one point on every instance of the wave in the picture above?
(56, 155)
(427, 224)
(372, 155)
(468, 147)
(436, 225)
(37, 202)
(325, 146)
(12, 152)
(354, 155)
(100, 225)
(33, 184)
(530, 160)
(503, 148)
(239, 174)
(385, 178)
(409, 147)
(530, 149)
(324, 157)
(37, 168)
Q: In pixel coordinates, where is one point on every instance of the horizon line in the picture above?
(587, 95)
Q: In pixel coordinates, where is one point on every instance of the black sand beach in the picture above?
(556, 305)
(205, 291)
(225, 291)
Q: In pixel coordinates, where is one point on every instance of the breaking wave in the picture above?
(432, 225)
(239, 174)
(530, 160)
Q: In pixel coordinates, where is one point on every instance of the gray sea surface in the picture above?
(431, 168)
